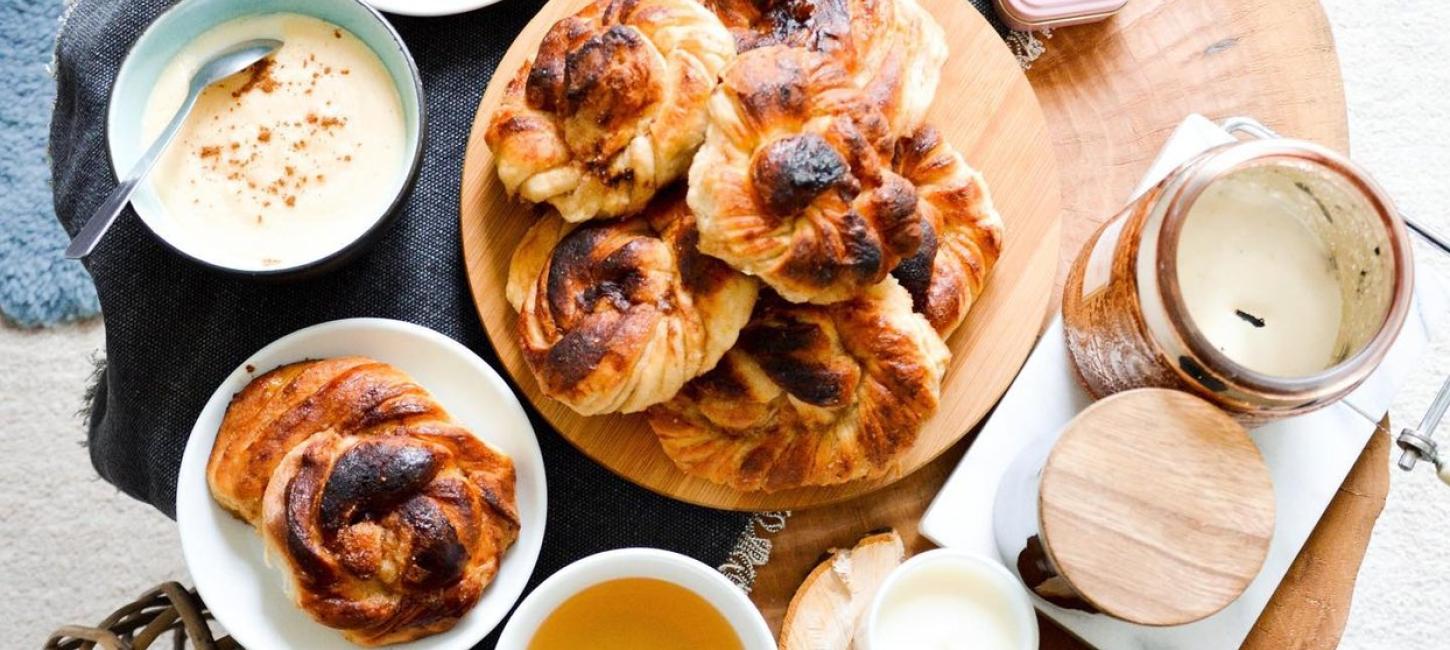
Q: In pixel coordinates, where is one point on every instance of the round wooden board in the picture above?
(1113, 92)
(984, 106)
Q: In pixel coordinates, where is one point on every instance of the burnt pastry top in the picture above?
(389, 518)
(810, 395)
(961, 230)
(391, 537)
(616, 315)
(892, 49)
(793, 184)
(612, 106)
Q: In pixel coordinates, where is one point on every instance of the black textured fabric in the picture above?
(174, 330)
(986, 9)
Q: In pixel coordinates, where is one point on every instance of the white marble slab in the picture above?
(1308, 456)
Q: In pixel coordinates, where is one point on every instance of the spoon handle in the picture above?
(85, 241)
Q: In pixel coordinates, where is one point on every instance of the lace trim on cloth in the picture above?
(1026, 46)
(88, 410)
(752, 548)
(53, 69)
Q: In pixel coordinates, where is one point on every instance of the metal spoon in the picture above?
(229, 62)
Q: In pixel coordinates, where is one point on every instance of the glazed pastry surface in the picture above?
(387, 517)
(811, 395)
(612, 107)
(892, 49)
(961, 231)
(793, 184)
(617, 315)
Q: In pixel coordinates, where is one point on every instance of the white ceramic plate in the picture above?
(225, 555)
(428, 7)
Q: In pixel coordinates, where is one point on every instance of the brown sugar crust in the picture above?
(617, 315)
(811, 395)
(389, 518)
(961, 231)
(794, 185)
(892, 49)
(612, 106)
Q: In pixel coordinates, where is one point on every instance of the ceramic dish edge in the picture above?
(209, 534)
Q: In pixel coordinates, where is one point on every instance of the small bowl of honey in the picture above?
(636, 599)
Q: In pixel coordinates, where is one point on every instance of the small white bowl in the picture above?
(226, 557)
(1001, 583)
(428, 8)
(681, 570)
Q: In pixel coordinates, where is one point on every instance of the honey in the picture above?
(636, 614)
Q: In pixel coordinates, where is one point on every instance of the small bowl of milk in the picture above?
(948, 600)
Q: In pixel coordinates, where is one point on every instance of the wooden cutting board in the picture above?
(1113, 92)
(984, 107)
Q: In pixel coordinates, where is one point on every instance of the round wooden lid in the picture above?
(1156, 507)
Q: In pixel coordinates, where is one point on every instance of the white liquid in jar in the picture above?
(945, 607)
(1259, 282)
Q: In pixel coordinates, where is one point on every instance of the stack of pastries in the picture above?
(388, 518)
(755, 238)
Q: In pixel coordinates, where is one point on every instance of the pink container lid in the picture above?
(1042, 14)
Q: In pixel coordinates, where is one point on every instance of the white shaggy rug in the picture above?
(72, 548)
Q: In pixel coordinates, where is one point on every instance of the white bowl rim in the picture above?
(525, 551)
(1023, 612)
(412, 167)
(714, 587)
(437, 8)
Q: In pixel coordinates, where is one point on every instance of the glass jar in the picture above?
(1269, 277)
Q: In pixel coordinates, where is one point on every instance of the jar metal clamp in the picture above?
(1417, 443)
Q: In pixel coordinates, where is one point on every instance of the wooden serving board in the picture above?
(1113, 92)
(984, 106)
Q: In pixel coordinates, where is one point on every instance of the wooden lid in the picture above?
(1156, 507)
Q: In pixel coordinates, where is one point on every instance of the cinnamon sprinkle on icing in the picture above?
(260, 79)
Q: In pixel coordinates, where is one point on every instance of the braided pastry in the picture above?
(282, 408)
(961, 231)
(811, 395)
(617, 315)
(793, 183)
(390, 519)
(612, 107)
(892, 49)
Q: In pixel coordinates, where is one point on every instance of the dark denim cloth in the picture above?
(174, 330)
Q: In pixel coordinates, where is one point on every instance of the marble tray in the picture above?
(1308, 456)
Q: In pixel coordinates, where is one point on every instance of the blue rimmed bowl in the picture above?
(188, 19)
